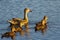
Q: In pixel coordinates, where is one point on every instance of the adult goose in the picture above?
(24, 21)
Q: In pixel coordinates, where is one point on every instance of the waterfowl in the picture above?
(16, 29)
(24, 22)
(43, 21)
(13, 26)
(42, 25)
(9, 34)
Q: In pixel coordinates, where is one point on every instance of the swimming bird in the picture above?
(24, 21)
(42, 25)
(9, 34)
(16, 29)
(43, 21)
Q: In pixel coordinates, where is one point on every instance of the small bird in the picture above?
(14, 26)
(43, 21)
(16, 29)
(42, 25)
(9, 34)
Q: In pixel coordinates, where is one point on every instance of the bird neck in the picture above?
(26, 16)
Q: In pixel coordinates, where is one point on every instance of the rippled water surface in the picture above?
(14, 9)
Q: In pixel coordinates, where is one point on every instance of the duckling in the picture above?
(24, 22)
(42, 25)
(9, 34)
(43, 21)
(16, 29)
(14, 26)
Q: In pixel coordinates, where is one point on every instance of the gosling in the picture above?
(43, 21)
(16, 29)
(9, 34)
(14, 26)
(42, 25)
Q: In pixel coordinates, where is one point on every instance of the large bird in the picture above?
(21, 22)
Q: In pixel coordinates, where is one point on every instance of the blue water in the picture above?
(14, 9)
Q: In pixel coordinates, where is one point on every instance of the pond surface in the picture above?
(15, 9)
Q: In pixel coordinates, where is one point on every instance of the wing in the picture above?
(18, 19)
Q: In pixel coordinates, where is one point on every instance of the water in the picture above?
(14, 9)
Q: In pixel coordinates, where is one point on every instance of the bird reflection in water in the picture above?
(25, 32)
